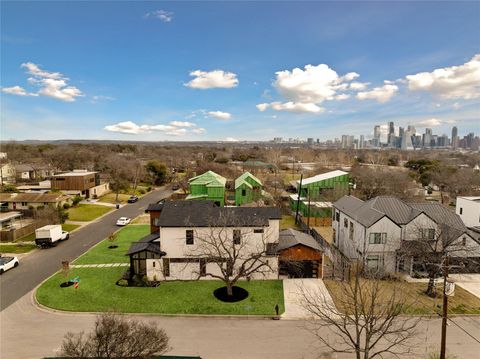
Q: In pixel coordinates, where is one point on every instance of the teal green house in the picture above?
(333, 182)
(208, 186)
(321, 190)
(248, 188)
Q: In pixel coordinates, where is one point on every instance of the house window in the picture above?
(377, 238)
(350, 235)
(334, 236)
(337, 216)
(153, 264)
(464, 241)
(189, 236)
(427, 233)
(372, 262)
(24, 204)
(258, 230)
(244, 192)
(237, 236)
(461, 210)
(166, 267)
(345, 222)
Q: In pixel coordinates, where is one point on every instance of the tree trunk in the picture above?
(431, 287)
(229, 289)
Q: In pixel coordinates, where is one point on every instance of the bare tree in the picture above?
(116, 337)
(234, 248)
(367, 319)
(428, 246)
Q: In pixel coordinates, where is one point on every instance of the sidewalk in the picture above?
(293, 298)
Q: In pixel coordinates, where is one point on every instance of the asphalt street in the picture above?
(27, 331)
(42, 263)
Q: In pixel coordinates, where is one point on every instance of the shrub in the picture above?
(76, 200)
(141, 191)
(149, 188)
(66, 205)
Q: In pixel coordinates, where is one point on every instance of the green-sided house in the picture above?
(328, 186)
(209, 186)
(248, 188)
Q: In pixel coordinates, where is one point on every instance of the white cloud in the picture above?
(17, 90)
(230, 139)
(291, 107)
(165, 16)
(199, 130)
(358, 86)
(98, 98)
(381, 94)
(434, 122)
(220, 115)
(182, 124)
(450, 82)
(304, 90)
(52, 84)
(174, 128)
(213, 79)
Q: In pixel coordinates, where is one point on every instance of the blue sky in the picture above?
(236, 70)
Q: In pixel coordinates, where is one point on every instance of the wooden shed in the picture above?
(300, 255)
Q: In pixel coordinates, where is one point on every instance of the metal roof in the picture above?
(322, 177)
(290, 237)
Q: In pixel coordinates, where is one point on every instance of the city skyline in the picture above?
(156, 71)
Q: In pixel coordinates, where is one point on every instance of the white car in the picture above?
(123, 221)
(7, 263)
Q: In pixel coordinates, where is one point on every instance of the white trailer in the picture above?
(48, 236)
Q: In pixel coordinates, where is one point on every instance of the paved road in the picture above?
(29, 332)
(39, 265)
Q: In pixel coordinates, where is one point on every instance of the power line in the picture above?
(465, 331)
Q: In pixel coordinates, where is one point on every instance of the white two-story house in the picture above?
(468, 208)
(190, 232)
(373, 231)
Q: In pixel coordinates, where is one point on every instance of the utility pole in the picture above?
(445, 309)
(298, 198)
(308, 218)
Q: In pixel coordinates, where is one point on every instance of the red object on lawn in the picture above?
(76, 285)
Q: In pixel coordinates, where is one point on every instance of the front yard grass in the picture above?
(110, 198)
(16, 248)
(461, 303)
(87, 212)
(69, 227)
(97, 292)
(102, 254)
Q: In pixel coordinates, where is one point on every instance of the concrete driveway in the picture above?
(293, 290)
(469, 282)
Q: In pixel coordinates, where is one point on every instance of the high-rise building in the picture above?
(361, 143)
(427, 138)
(391, 134)
(376, 136)
(454, 137)
(406, 141)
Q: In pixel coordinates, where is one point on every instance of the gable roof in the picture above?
(322, 177)
(369, 212)
(290, 237)
(155, 206)
(209, 178)
(206, 214)
(24, 168)
(243, 180)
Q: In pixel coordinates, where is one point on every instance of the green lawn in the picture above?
(461, 303)
(16, 248)
(97, 292)
(28, 238)
(69, 227)
(87, 212)
(102, 254)
(110, 198)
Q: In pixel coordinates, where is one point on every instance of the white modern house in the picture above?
(183, 249)
(373, 231)
(468, 208)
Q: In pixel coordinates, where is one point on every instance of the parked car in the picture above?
(123, 221)
(7, 263)
(133, 199)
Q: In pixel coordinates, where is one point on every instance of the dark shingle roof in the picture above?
(290, 237)
(206, 214)
(146, 244)
(155, 207)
